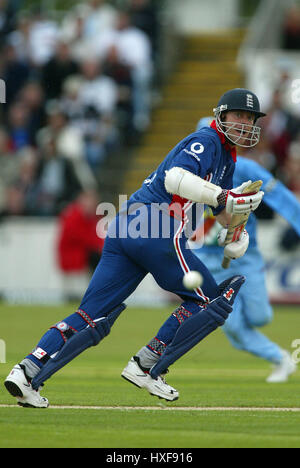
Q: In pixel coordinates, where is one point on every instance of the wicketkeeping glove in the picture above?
(236, 202)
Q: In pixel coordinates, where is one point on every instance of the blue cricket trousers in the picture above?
(132, 249)
(126, 260)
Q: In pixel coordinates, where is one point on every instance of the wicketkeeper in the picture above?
(252, 311)
(198, 170)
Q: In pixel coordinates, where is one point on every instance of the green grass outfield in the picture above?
(224, 399)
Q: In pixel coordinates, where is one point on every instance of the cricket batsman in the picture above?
(198, 170)
(252, 308)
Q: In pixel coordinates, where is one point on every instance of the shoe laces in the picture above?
(163, 374)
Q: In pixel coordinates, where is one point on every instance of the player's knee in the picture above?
(263, 318)
(260, 322)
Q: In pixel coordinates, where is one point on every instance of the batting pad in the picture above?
(198, 326)
(79, 342)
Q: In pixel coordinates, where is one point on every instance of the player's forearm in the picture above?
(181, 182)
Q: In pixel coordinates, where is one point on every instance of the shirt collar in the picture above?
(223, 141)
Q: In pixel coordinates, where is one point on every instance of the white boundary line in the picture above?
(168, 408)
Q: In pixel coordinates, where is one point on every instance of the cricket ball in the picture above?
(192, 280)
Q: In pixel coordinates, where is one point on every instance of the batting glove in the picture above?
(235, 249)
(237, 202)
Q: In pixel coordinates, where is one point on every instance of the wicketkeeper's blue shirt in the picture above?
(277, 196)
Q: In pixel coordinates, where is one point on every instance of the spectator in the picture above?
(96, 17)
(42, 39)
(292, 167)
(9, 164)
(121, 74)
(91, 107)
(280, 128)
(134, 50)
(285, 85)
(57, 125)
(70, 101)
(19, 38)
(69, 142)
(19, 126)
(101, 18)
(8, 12)
(57, 183)
(97, 90)
(291, 29)
(20, 185)
(57, 69)
(15, 73)
(32, 97)
(144, 17)
(14, 202)
(79, 247)
(72, 30)
(25, 183)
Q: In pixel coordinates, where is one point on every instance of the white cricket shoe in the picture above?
(135, 374)
(20, 387)
(283, 370)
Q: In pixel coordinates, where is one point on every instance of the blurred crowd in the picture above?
(77, 90)
(290, 38)
(279, 147)
(286, 105)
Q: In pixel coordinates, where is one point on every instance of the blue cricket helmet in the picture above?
(239, 133)
(239, 99)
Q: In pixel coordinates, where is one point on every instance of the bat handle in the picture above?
(226, 263)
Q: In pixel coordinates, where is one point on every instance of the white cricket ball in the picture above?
(192, 280)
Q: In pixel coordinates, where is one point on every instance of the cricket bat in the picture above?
(238, 222)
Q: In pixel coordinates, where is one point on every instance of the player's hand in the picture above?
(235, 249)
(236, 202)
(222, 237)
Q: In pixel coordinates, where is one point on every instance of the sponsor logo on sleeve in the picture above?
(196, 148)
